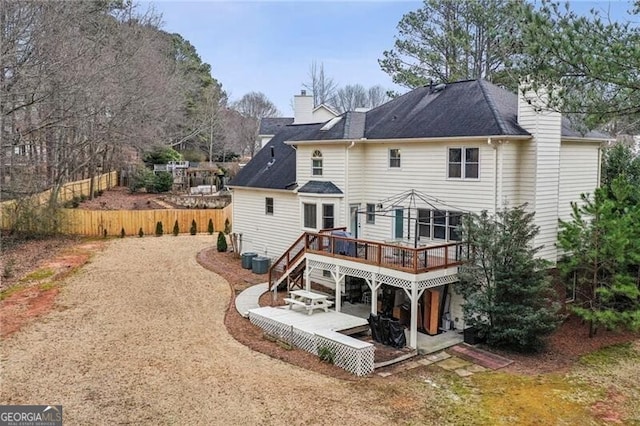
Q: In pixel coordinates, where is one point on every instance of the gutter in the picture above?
(419, 140)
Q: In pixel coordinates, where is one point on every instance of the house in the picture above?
(304, 112)
(398, 178)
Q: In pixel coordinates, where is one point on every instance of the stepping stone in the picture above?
(453, 363)
(412, 364)
(438, 356)
(463, 372)
(475, 368)
(384, 374)
(479, 356)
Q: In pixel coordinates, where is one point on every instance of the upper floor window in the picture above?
(371, 213)
(327, 216)
(463, 163)
(268, 205)
(316, 163)
(309, 213)
(394, 158)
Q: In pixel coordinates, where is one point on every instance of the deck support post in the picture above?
(338, 279)
(374, 285)
(307, 276)
(413, 333)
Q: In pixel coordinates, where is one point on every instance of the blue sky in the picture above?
(268, 46)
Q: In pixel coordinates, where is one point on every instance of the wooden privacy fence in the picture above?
(95, 222)
(71, 190)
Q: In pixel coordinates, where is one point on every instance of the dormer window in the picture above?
(316, 163)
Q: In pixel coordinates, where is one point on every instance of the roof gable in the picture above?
(277, 171)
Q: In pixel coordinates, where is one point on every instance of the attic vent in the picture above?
(439, 87)
(331, 123)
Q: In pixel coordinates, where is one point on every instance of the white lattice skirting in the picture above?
(353, 355)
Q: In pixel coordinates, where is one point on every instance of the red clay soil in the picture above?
(35, 295)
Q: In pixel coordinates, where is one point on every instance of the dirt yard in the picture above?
(138, 337)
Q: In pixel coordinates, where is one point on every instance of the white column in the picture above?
(307, 277)
(338, 278)
(413, 334)
(374, 293)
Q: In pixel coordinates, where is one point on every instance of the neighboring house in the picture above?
(304, 113)
(399, 177)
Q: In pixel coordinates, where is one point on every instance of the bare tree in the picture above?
(73, 98)
(376, 96)
(350, 97)
(253, 107)
(322, 87)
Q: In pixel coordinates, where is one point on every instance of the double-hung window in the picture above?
(463, 163)
(309, 212)
(439, 224)
(268, 206)
(316, 163)
(371, 213)
(327, 216)
(394, 158)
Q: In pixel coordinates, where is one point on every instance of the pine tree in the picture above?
(602, 242)
(140, 233)
(210, 227)
(176, 228)
(222, 242)
(194, 227)
(159, 230)
(507, 290)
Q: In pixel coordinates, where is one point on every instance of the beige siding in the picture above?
(578, 174)
(268, 235)
(333, 164)
(546, 128)
(423, 168)
(516, 171)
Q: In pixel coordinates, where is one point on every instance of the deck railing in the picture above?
(398, 257)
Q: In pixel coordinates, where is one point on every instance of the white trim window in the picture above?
(309, 215)
(394, 158)
(439, 224)
(327, 216)
(268, 206)
(463, 163)
(371, 214)
(316, 163)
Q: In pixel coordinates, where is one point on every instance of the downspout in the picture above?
(347, 208)
(495, 174)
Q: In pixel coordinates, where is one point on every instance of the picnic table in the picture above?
(309, 300)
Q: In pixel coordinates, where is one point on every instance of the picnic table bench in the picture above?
(308, 300)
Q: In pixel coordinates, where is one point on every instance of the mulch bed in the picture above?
(565, 347)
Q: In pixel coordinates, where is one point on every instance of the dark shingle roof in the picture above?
(272, 125)
(279, 171)
(465, 108)
(320, 187)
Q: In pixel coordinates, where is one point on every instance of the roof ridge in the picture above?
(492, 106)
